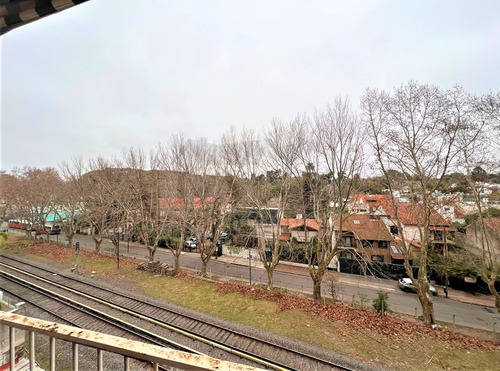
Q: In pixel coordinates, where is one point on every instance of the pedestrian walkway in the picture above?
(365, 281)
(345, 278)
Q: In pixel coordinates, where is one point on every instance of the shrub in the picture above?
(381, 302)
(332, 283)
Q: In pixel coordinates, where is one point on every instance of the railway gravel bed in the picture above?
(231, 334)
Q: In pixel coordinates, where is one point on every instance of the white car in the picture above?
(190, 244)
(405, 284)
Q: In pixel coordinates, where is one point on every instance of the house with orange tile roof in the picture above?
(365, 236)
(301, 229)
(410, 216)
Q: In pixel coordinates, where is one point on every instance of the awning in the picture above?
(396, 253)
(16, 13)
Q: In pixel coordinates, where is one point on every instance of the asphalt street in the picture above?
(352, 288)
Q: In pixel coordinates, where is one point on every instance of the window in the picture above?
(378, 258)
(383, 244)
(394, 229)
(346, 241)
(438, 235)
(346, 255)
(367, 244)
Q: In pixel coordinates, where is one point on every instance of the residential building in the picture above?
(301, 229)
(364, 236)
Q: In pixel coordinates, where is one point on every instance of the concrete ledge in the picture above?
(126, 347)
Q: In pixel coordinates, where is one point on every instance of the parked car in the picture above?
(405, 284)
(190, 244)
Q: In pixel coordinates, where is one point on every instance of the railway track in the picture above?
(156, 323)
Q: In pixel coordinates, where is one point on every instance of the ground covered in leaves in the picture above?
(397, 329)
(360, 319)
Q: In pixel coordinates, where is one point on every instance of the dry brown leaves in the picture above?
(65, 255)
(356, 318)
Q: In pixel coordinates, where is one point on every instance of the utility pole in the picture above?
(118, 249)
(250, 264)
(77, 249)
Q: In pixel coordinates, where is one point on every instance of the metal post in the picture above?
(12, 348)
(126, 364)
(128, 244)
(99, 360)
(453, 320)
(250, 264)
(118, 249)
(75, 357)
(32, 350)
(52, 354)
(77, 248)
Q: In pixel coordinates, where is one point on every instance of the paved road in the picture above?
(352, 287)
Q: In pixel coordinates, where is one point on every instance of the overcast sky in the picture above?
(110, 74)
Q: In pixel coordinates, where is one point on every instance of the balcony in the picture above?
(15, 325)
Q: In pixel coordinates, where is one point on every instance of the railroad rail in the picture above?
(149, 320)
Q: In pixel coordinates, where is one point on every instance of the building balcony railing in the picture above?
(129, 349)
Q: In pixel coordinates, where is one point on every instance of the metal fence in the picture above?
(127, 348)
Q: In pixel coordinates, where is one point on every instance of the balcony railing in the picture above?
(129, 349)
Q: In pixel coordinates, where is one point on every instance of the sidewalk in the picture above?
(366, 281)
(351, 279)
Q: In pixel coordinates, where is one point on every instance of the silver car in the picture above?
(405, 284)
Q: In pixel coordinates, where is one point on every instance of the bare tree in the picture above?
(103, 186)
(414, 131)
(35, 197)
(7, 189)
(338, 154)
(73, 193)
(481, 149)
(247, 158)
(204, 192)
(145, 183)
(322, 156)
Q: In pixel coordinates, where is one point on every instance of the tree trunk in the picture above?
(494, 292)
(204, 264)
(426, 301)
(151, 253)
(270, 277)
(97, 242)
(69, 238)
(317, 278)
(177, 264)
(316, 288)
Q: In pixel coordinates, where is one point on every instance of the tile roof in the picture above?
(297, 223)
(409, 214)
(365, 227)
(371, 200)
